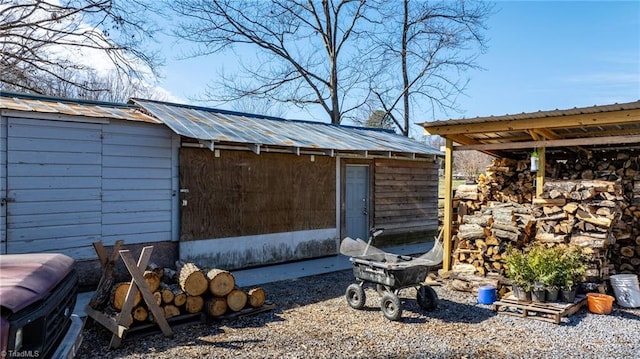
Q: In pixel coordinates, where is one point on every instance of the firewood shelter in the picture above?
(607, 132)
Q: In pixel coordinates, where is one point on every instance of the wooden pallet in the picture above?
(550, 312)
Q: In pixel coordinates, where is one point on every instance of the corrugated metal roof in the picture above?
(58, 106)
(539, 114)
(229, 127)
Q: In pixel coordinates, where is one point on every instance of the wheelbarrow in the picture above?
(390, 273)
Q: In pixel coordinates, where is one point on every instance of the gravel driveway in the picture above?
(313, 320)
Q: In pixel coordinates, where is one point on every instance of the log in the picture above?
(192, 280)
(549, 201)
(119, 294)
(170, 311)
(170, 276)
(471, 231)
(216, 306)
(484, 220)
(140, 313)
(157, 297)
(194, 304)
(179, 296)
(158, 270)
(166, 293)
(551, 237)
(221, 282)
(628, 251)
(152, 279)
(257, 297)
(504, 235)
(506, 227)
(236, 299)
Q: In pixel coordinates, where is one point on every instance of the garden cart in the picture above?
(390, 273)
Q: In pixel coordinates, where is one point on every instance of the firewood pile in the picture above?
(581, 213)
(483, 237)
(593, 203)
(185, 290)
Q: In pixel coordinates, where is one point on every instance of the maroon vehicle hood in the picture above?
(27, 278)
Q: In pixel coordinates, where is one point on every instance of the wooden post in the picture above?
(448, 204)
(541, 171)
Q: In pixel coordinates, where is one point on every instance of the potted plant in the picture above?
(536, 257)
(573, 268)
(519, 271)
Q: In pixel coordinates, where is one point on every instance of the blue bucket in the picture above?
(487, 294)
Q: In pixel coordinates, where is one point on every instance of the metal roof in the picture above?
(69, 107)
(228, 127)
(601, 128)
(539, 114)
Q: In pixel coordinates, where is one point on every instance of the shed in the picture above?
(560, 135)
(224, 188)
(256, 189)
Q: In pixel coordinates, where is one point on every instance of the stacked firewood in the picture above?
(484, 236)
(188, 290)
(581, 213)
(507, 180)
(578, 210)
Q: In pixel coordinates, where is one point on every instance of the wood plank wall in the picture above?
(406, 195)
(241, 193)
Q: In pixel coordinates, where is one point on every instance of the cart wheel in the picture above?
(427, 298)
(355, 296)
(391, 306)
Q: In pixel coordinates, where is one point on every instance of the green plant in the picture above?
(518, 268)
(574, 265)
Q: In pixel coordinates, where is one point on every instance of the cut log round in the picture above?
(166, 293)
(140, 313)
(236, 299)
(257, 297)
(194, 304)
(179, 296)
(152, 279)
(221, 282)
(119, 294)
(216, 306)
(171, 311)
(192, 280)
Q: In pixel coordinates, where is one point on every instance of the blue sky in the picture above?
(542, 55)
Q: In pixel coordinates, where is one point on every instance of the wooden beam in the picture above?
(448, 204)
(608, 140)
(542, 159)
(523, 124)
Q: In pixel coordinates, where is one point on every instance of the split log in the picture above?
(158, 270)
(216, 306)
(192, 280)
(236, 299)
(221, 282)
(140, 313)
(119, 294)
(152, 279)
(484, 220)
(257, 297)
(194, 304)
(505, 235)
(471, 231)
(170, 311)
(595, 220)
(157, 297)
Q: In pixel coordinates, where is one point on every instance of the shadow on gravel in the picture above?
(453, 312)
(627, 314)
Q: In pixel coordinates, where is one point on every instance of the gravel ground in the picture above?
(313, 320)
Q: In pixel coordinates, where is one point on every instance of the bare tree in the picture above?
(302, 52)
(422, 48)
(470, 163)
(43, 42)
